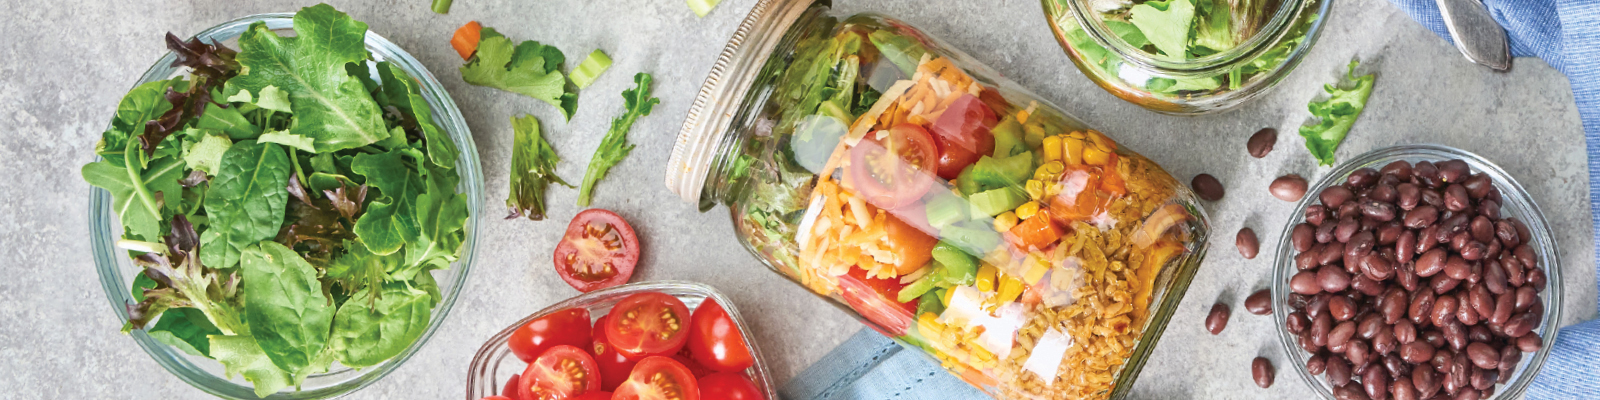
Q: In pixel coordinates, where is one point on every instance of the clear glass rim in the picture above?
(446, 115)
(494, 349)
(1518, 201)
(1259, 43)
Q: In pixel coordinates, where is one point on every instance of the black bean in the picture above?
(1247, 243)
(1207, 187)
(1288, 187)
(1261, 370)
(1260, 144)
(1217, 319)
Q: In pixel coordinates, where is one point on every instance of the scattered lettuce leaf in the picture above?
(614, 147)
(1337, 113)
(1166, 24)
(533, 168)
(529, 68)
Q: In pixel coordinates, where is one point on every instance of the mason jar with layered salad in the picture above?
(1186, 56)
(946, 207)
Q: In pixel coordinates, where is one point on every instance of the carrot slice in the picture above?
(466, 39)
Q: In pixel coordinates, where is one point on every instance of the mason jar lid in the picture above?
(723, 92)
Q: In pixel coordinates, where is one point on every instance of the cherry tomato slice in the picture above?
(566, 327)
(495, 398)
(510, 391)
(598, 251)
(561, 372)
(729, 386)
(874, 298)
(593, 396)
(896, 170)
(648, 324)
(659, 378)
(962, 134)
(715, 341)
(614, 367)
(914, 246)
(683, 357)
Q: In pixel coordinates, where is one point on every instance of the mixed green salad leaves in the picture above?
(286, 202)
(528, 68)
(1337, 113)
(614, 146)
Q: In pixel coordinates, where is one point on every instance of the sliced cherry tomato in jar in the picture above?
(683, 357)
(996, 101)
(566, 327)
(895, 170)
(598, 251)
(648, 324)
(873, 298)
(510, 391)
(729, 386)
(1080, 197)
(561, 372)
(715, 340)
(914, 245)
(495, 398)
(593, 396)
(614, 367)
(962, 135)
(659, 378)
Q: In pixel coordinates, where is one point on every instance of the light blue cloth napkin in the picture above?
(1564, 33)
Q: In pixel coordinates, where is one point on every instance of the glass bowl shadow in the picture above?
(494, 364)
(1517, 203)
(117, 270)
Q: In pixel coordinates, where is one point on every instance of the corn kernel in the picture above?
(1005, 221)
(946, 298)
(1049, 171)
(1027, 210)
(1035, 189)
(1052, 148)
(985, 281)
(1010, 288)
(1077, 135)
(1072, 152)
(1095, 156)
(1104, 143)
(1037, 266)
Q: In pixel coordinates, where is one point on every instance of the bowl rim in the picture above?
(446, 114)
(1516, 197)
(487, 357)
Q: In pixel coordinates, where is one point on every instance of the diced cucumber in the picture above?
(960, 268)
(946, 209)
(993, 172)
(929, 302)
(1007, 138)
(973, 237)
(996, 201)
(920, 286)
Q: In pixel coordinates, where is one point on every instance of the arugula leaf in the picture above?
(144, 103)
(241, 355)
(288, 314)
(530, 69)
(637, 103)
(141, 219)
(186, 329)
(1337, 114)
(369, 330)
(331, 107)
(403, 93)
(389, 219)
(1166, 24)
(246, 202)
(533, 168)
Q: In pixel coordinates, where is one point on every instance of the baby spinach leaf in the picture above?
(1336, 114)
(1166, 24)
(186, 329)
(331, 107)
(368, 331)
(529, 68)
(389, 219)
(614, 146)
(287, 312)
(246, 201)
(241, 355)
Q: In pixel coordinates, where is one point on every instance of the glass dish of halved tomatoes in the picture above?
(648, 341)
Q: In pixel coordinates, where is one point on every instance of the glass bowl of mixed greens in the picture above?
(287, 207)
(1186, 56)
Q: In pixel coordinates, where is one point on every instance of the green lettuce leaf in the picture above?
(368, 330)
(614, 147)
(227, 120)
(331, 107)
(904, 51)
(141, 216)
(246, 201)
(1166, 24)
(186, 329)
(441, 215)
(533, 168)
(389, 219)
(404, 94)
(529, 68)
(289, 316)
(240, 355)
(1337, 113)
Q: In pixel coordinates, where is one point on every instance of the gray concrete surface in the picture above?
(64, 66)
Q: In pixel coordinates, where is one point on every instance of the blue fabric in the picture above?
(1564, 33)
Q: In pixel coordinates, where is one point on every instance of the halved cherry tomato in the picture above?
(495, 398)
(510, 391)
(896, 170)
(659, 378)
(598, 251)
(694, 367)
(962, 135)
(566, 327)
(715, 341)
(728, 386)
(648, 324)
(465, 40)
(593, 396)
(614, 366)
(874, 298)
(561, 372)
(914, 245)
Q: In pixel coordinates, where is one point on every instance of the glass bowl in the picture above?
(1517, 204)
(494, 363)
(117, 270)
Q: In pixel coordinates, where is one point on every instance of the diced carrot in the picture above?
(466, 39)
(1036, 232)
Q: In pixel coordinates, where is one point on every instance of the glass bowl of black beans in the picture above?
(1417, 272)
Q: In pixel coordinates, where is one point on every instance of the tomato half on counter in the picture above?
(561, 372)
(715, 340)
(728, 386)
(659, 378)
(598, 251)
(566, 327)
(874, 299)
(648, 324)
(896, 169)
(962, 134)
(614, 366)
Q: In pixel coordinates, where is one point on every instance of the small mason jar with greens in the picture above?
(1186, 56)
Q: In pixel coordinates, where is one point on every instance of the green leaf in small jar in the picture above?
(1166, 24)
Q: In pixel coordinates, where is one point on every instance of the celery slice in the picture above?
(592, 67)
(703, 7)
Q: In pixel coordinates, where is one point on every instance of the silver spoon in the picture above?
(1479, 37)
